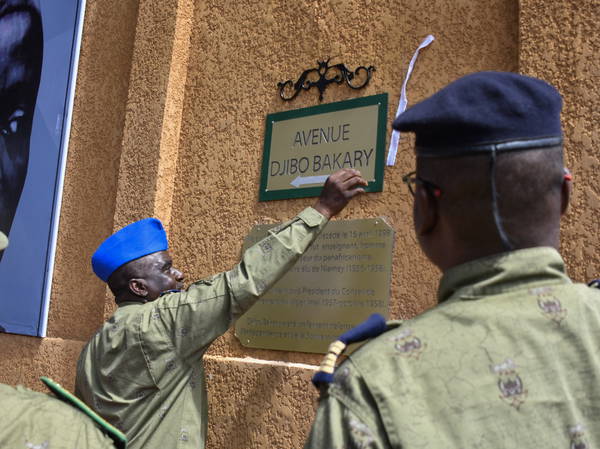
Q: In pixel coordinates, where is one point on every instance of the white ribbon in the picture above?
(391, 159)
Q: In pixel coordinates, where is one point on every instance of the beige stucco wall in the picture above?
(169, 119)
(559, 43)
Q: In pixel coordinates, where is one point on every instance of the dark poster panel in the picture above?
(39, 46)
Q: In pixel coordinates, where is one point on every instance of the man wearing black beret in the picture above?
(509, 356)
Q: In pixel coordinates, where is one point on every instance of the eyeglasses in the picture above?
(411, 179)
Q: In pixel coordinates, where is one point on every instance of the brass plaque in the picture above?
(342, 279)
(304, 146)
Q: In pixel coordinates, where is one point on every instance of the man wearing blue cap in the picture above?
(509, 356)
(143, 370)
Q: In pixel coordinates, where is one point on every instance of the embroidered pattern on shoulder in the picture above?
(43, 445)
(510, 383)
(171, 364)
(192, 381)
(342, 374)
(114, 325)
(265, 246)
(549, 305)
(360, 433)
(407, 344)
(261, 286)
(96, 402)
(577, 436)
(163, 412)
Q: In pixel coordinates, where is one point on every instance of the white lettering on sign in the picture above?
(328, 162)
(318, 136)
(302, 148)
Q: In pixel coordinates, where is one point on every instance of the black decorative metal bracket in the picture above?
(318, 78)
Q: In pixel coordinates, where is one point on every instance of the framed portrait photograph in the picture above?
(39, 48)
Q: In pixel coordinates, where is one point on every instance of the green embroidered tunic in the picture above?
(143, 370)
(32, 420)
(510, 358)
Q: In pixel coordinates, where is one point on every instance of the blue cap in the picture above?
(136, 240)
(484, 112)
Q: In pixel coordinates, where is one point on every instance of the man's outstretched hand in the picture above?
(339, 188)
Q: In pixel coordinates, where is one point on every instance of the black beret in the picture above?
(483, 112)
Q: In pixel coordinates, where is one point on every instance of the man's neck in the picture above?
(129, 297)
(459, 252)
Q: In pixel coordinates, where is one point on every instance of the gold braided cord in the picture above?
(337, 347)
(330, 359)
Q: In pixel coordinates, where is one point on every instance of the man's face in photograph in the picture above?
(21, 48)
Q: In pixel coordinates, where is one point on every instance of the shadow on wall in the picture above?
(264, 406)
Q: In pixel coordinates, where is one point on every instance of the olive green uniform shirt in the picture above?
(143, 370)
(32, 420)
(510, 358)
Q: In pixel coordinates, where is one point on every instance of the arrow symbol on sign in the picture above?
(302, 180)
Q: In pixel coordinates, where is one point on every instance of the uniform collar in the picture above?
(141, 303)
(502, 273)
(130, 303)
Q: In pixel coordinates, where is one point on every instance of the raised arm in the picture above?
(208, 307)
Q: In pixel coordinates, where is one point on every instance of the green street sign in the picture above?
(303, 147)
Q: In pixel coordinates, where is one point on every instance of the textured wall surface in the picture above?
(559, 43)
(25, 359)
(238, 53)
(169, 121)
(261, 404)
(90, 186)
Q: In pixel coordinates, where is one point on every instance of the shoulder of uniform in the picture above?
(166, 292)
(393, 324)
(372, 327)
(115, 434)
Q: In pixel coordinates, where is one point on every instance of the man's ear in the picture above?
(565, 194)
(138, 287)
(425, 211)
